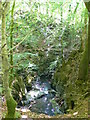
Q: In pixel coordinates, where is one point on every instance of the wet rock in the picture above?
(40, 98)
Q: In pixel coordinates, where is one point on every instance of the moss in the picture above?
(74, 89)
(61, 74)
(81, 108)
(11, 105)
(83, 70)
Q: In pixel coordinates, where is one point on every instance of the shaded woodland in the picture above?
(44, 58)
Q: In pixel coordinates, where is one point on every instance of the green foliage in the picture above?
(42, 27)
(18, 89)
(50, 37)
(1, 89)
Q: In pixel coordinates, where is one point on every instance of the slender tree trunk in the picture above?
(11, 104)
(0, 41)
(89, 38)
(11, 46)
(0, 8)
(88, 8)
(84, 36)
(83, 70)
(62, 31)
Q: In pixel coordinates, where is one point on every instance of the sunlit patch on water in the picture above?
(53, 110)
(45, 98)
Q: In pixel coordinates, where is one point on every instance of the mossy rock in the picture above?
(67, 77)
(61, 75)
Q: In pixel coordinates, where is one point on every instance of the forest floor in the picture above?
(81, 111)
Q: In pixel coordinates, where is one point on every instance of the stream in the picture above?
(41, 99)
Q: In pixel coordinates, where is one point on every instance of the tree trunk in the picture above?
(0, 40)
(89, 38)
(11, 46)
(11, 104)
(84, 32)
(83, 70)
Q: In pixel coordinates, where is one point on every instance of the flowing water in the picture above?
(41, 99)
